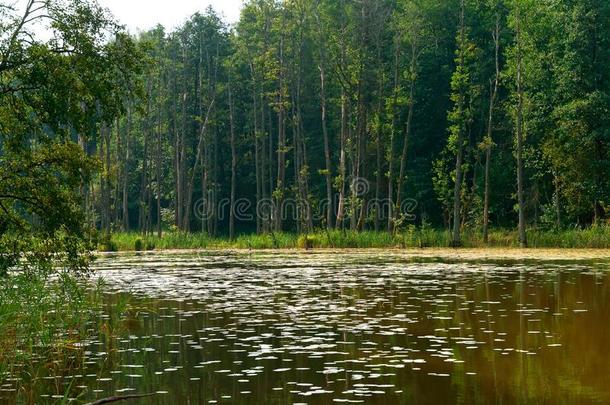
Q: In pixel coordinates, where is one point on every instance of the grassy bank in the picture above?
(593, 238)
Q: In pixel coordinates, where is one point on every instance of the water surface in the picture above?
(379, 328)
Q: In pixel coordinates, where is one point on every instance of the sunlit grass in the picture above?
(591, 238)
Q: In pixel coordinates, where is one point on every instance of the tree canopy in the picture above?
(307, 114)
(53, 96)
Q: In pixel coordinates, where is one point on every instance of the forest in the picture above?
(390, 124)
(317, 114)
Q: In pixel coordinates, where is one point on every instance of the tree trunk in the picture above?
(379, 175)
(342, 168)
(191, 183)
(281, 145)
(233, 163)
(327, 160)
(520, 135)
(143, 203)
(486, 196)
(391, 141)
(125, 172)
(459, 174)
(118, 184)
(405, 144)
(557, 201)
(266, 215)
(178, 140)
(490, 123)
(105, 178)
(257, 165)
(158, 163)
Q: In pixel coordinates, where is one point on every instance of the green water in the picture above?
(341, 328)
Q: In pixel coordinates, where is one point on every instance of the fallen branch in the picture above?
(119, 398)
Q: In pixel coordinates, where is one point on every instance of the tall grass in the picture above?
(42, 322)
(595, 237)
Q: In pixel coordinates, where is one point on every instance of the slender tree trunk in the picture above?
(185, 203)
(271, 165)
(405, 144)
(107, 180)
(202, 144)
(176, 157)
(143, 203)
(296, 165)
(281, 145)
(519, 134)
(327, 159)
(487, 194)
(362, 165)
(158, 163)
(233, 163)
(459, 173)
(457, 192)
(391, 141)
(301, 166)
(557, 201)
(378, 146)
(257, 165)
(305, 178)
(104, 156)
(198, 158)
(212, 221)
(342, 163)
(265, 190)
(356, 163)
(126, 171)
(490, 122)
(118, 184)
(101, 203)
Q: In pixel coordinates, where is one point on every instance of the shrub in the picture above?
(307, 242)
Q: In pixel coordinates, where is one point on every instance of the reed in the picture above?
(42, 323)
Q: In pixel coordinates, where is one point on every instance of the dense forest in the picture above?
(313, 114)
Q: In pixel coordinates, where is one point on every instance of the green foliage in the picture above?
(156, 127)
(53, 95)
(411, 237)
(306, 242)
(43, 320)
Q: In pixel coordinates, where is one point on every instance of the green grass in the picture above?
(591, 238)
(42, 322)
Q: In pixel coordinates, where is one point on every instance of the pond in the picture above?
(354, 327)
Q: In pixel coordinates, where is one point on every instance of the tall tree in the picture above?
(461, 116)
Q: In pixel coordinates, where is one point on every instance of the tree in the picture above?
(461, 116)
(488, 142)
(413, 33)
(519, 107)
(54, 97)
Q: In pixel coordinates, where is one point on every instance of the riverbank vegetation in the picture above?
(43, 326)
(591, 238)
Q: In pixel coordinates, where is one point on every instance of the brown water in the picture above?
(287, 328)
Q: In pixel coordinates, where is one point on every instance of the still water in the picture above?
(288, 328)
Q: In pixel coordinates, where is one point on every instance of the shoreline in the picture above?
(597, 238)
(459, 254)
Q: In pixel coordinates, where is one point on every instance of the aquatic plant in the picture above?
(43, 321)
